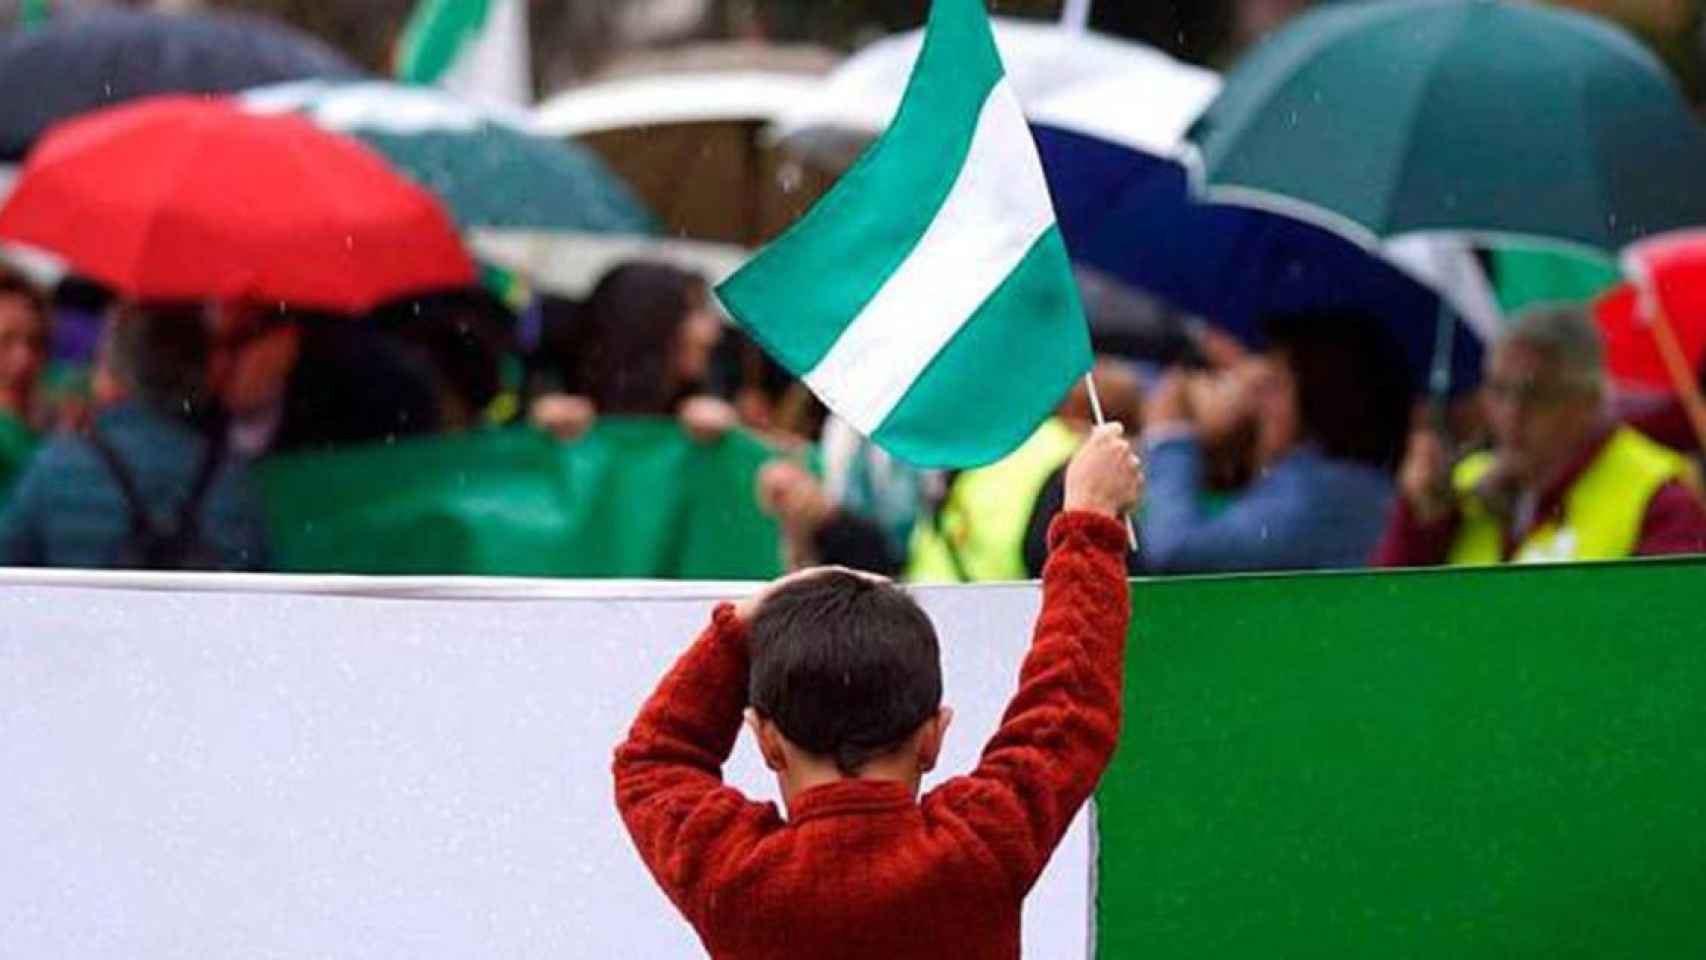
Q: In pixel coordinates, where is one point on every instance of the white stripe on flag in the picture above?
(997, 210)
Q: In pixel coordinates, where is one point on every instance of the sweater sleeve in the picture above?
(686, 823)
(1060, 729)
(1675, 523)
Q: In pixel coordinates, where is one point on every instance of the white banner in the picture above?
(244, 767)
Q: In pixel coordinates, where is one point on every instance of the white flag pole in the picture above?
(1096, 411)
(1075, 15)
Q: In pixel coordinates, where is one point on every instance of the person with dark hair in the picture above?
(23, 355)
(151, 485)
(295, 380)
(461, 338)
(1330, 403)
(838, 677)
(640, 345)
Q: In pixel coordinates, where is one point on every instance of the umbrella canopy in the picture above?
(1381, 119)
(183, 198)
(485, 163)
(1120, 92)
(1672, 272)
(692, 142)
(82, 63)
(1133, 216)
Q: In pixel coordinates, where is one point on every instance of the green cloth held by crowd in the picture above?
(633, 498)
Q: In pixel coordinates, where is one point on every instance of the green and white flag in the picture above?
(476, 48)
(34, 13)
(928, 299)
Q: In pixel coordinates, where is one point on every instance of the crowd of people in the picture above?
(126, 431)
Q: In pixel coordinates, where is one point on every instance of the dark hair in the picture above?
(846, 668)
(353, 385)
(1353, 385)
(15, 284)
(160, 352)
(624, 338)
(461, 335)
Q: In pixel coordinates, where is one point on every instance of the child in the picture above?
(839, 678)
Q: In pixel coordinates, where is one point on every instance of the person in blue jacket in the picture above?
(1330, 401)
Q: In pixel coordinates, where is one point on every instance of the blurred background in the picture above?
(575, 39)
(426, 286)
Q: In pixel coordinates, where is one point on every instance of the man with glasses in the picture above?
(1562, 481)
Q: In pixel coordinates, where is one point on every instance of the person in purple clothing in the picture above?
(1330, 403)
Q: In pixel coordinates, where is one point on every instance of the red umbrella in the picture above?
(187, 198)
(1672, 272)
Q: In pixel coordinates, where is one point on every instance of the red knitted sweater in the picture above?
(860, 869)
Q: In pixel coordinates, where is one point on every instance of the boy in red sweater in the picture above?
(838, 676)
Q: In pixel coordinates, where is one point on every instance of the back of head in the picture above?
(846, 668)
(1354, 390)
(159, 353)
(628, 329)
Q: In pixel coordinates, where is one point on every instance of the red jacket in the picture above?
(1675, 522)
(861, 869)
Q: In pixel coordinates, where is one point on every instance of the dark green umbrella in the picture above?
(1479, 116)
(484, 163)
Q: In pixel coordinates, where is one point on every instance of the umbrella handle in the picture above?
(1681, 377)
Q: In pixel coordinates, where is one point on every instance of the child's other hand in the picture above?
(1104, 476)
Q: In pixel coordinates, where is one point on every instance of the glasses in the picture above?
(1529, 394)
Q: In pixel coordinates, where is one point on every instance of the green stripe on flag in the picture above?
(913, 166)
(435, 34)
(1034, 325)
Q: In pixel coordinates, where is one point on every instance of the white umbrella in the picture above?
(1115, 90)
(687, 133)
(570, 264)
(708, 96)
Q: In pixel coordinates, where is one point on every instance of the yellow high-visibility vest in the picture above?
(1603, 510)
(984, 518)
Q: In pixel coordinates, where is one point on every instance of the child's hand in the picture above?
(1104, 476)
(748, 607)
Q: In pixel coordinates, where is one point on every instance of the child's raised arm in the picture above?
(669, 782)
(1060, 730)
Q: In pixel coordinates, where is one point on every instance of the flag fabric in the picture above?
(476, 48)
(928, 298)
(34, 13)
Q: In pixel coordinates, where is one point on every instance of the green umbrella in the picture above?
(1478, 116)
(482, 161)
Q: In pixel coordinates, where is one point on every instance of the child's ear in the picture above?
(769, 741)
(934, 733)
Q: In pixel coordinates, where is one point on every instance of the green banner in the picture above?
(633, 498)
(1491, 764)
